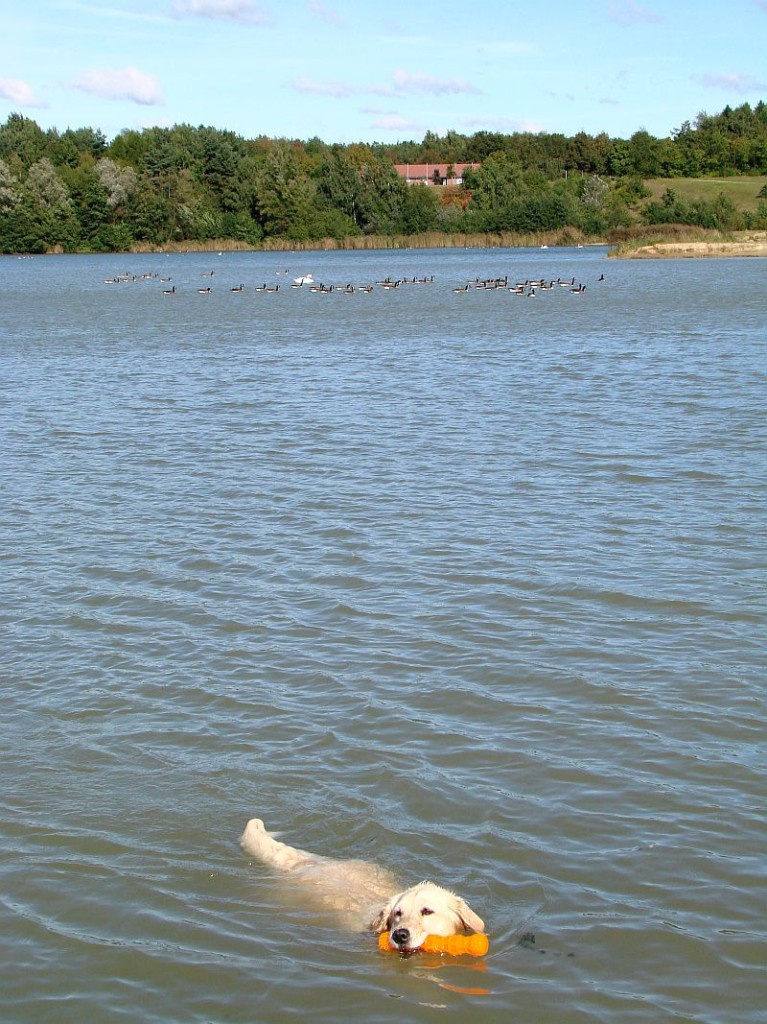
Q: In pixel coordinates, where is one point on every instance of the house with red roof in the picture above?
(433, 174)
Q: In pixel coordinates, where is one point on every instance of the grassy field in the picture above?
(742, 192)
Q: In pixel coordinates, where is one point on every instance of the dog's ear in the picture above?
(382, 921)
(467, 917)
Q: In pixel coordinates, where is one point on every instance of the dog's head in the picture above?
(424, 909)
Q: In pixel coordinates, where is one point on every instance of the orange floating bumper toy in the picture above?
(455, 945)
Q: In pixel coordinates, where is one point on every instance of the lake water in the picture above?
(468, 583)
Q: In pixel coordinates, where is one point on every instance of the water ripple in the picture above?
(470, 586)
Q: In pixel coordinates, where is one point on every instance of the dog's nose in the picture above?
(400, 936)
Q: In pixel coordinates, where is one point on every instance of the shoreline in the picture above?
(753, 245)
(359, 243)
(749, 244)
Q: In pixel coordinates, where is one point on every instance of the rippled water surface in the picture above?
(468, 583)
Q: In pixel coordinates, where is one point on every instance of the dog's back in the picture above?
(353, 889)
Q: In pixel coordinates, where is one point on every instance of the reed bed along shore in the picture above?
(426, 240)
(636, 242)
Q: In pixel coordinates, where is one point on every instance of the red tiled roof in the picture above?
(426, 171)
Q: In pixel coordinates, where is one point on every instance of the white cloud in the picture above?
(382, 90)
(404, 83)
(498, 124)
(626, 12)
(417, 81)
(395, 123)
(337, 90)
(244, 12)
(732, 83)
(324, 13)
(19, 93)
(121, 84)
(559, 97)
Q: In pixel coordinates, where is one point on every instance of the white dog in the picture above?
(361, 892)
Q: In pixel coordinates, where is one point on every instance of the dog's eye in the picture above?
(398, 912)
(425, 912)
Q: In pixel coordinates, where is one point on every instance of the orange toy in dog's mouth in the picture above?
(455, 945)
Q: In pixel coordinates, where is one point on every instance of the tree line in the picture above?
(74, 190)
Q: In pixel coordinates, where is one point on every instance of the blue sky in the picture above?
(353, 70)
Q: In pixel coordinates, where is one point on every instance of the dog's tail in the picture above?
(262, 845)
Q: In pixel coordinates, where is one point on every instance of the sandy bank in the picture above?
(753, 245)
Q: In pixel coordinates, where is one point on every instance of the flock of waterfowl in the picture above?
(529, 288)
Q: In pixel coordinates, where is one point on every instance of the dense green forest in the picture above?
(76, 191)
